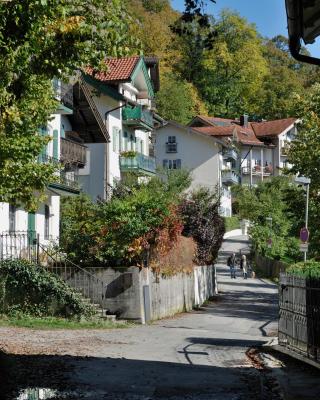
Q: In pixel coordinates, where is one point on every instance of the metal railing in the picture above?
(230, 154)
(22, 245)
(137, 117)
(64, 177)
(257, 170)
(138, 162)
(72, 152)
(229, 177)
(80, 279)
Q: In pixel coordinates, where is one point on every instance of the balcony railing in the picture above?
(139, 163)
(230, 155)
(137, 117)
(63, 92)
(73, 152)
(64, 179)
(257, 170)
(229, 177)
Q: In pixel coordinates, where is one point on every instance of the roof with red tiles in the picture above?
(215, 130)
(244, 135)
(272, 128)
(215, 120)
(118, 69)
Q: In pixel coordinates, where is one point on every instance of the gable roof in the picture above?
(244, 135)
(118, 70)
(212, 120)
(272, 128)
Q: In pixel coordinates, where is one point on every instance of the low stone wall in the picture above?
(142, 295)
(270, 268)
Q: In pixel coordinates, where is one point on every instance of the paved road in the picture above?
(201, 355)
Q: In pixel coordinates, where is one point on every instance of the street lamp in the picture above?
(302, 180)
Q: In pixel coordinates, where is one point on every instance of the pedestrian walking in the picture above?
(244, 266)
(232, 264)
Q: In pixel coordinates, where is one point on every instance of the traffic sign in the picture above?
(304, 235)
(304, 247)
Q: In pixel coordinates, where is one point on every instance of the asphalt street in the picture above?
(213, 353)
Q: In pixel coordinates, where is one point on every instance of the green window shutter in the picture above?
(114, 138)
(62, 132)
(120, 141)
(56, 144)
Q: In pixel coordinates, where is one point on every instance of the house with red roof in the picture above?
(262, 145)
(222, 152)
(123, 95)
(208, 156)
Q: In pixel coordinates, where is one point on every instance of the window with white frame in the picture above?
(116, 139)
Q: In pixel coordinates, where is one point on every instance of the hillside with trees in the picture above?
(218, 65)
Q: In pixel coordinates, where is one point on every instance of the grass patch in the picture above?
(231, 223)
(48, 323)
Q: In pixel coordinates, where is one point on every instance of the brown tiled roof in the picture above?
(215, 130)
(272, 128)
(215, 120)
(118, 69)
(244, 135)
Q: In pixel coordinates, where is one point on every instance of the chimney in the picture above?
(244, 120)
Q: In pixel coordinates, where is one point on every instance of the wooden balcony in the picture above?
(72, 152)
(230, 155)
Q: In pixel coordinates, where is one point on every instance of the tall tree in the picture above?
(233, 70)
(41, 40)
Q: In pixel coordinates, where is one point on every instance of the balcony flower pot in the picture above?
(128, 154)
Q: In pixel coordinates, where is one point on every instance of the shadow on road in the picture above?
(108, 378)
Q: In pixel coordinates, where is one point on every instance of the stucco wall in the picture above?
(197, 153)
(127, 292)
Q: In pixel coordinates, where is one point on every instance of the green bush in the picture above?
(30, 289)
(308, 269)
(119, 232)
(231, 223)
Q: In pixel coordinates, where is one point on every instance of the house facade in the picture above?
(262, 146)
(70, 135)
(123, 96)
(208, 158)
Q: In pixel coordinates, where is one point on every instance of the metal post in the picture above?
(306, 218)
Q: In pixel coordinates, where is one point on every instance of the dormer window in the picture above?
(171, 145)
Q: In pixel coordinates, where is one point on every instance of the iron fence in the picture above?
(19, 245)
(299, 315)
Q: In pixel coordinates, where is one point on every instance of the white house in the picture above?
(262, 145)
(208, 158)
(70, 132)
(123, 96)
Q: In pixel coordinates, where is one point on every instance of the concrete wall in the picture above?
(142, 295)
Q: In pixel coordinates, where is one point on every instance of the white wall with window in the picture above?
(178, 146)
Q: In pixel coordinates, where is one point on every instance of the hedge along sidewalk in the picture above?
(50, 323)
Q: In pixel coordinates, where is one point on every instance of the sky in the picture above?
(268, 15)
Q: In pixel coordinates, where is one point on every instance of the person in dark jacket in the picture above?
(232, 264)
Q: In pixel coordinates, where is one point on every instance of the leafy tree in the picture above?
(39, 41)
(233, 71)
(177, 100)
(280, 200)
